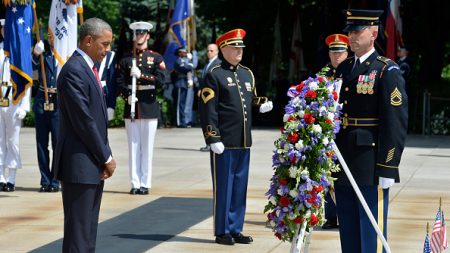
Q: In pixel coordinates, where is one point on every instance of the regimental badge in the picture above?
(207, 94)
(230, 81)
(248, 86)
(150, 60)
(396, 97)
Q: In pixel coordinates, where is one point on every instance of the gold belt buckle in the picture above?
(50, 107)
(345, 122)
(4, 102)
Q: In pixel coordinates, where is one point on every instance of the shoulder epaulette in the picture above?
(214, 67)
(383, 59)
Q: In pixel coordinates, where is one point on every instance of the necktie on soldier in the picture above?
(356, 65)
(94, 68)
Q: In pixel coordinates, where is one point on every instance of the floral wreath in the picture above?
(303, 158)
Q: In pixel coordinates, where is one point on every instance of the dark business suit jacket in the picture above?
(83, 147)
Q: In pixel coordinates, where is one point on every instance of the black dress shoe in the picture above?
(134, 191)
(53, 189)
(43, 188)
(330, 224)
(225, 239)
(240, 238)
(205, 148)
(1, 186)
(143, 191)
(9, 187)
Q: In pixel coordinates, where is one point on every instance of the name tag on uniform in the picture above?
(248, 86)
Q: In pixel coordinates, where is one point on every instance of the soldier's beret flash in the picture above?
(358, 19)
(233, 38)
(141, 27)
(337, 42)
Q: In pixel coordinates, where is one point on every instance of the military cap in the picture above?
(233, 38)
(337, 42)
(358, 19)
(141, 27)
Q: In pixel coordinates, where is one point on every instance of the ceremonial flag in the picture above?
(296, 61)
(439, 234)
(62, 28)
(17, 45)
(393, 29)
(277, 53)
(181, 31)
(426, 245)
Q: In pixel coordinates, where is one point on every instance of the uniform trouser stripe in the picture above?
(380, 218)
(213, 155)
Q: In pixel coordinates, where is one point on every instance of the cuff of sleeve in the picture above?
(109, 159)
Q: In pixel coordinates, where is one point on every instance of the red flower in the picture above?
(298, 220)
(282, 181)
(313, 220)
(284, 201)
(293, 160)
(311, 94)
(300, 86)
(309, 118)
(293, 138)
(335, 96)
(282, 129)
(278, 236)
(320, 79)
(329, 121)
(317, 189)
(291, 118)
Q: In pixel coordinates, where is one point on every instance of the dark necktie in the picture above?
(356, 65)
(94, 68)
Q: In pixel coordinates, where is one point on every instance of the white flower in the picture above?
(292, 172)
(316, 128)
(280, 191)
(308, 214)
(285, 117)
(330, 116)
(292, 216)
(278, 212)
(273, 200)
(286, 146)
(296, 101)
(272, 223)
(330, 88)
(313, 86)
(322, 109)
(299, 144)
(305, 172)
(293, 193)
(301, 113)
(325, 141)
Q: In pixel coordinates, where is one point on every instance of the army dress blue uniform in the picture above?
(46, 121)
(371, 140)
(142, 130)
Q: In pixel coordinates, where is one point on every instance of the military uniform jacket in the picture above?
(152, 69)
(226, 105)
(374, 119)
(50, 74)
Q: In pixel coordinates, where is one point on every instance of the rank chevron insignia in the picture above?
(396, 97)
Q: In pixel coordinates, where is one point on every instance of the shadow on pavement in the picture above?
(147, 226)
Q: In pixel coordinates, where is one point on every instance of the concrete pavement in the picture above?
(177, 215)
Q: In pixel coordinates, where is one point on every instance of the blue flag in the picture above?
(426, 245)
(18, 42)
(178, 32)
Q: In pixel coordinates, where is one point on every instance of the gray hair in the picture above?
(93, 27)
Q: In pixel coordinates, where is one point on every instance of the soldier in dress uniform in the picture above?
(225, 106)
(46, 117)
(373, 133)
(150, 74)
(337, 51)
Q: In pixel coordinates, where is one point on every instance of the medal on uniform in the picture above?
(371, 82)
(150, 60)
(360, 84)
(248, 86)
(230, 81)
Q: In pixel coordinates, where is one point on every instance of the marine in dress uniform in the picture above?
(46, 117)
(149, 73)
(107, 74)
(11, 116)
(372, 135)
(225, 106)
(337, 52)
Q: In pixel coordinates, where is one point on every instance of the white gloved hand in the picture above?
(217, 147)
(130, 98)
(266, 107)
(110, 112)
(189, 56)
(136, 72)
(39, 48)
(386, 183)
(20, 113)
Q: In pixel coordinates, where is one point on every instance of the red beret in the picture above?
(233, 38)
(337, 42)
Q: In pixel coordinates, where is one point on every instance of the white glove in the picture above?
(136, 72)
(39, 48)
(217, 147)
(110, 112)
(189, 56)
(20, 113)
(386, 183)
(130, 98)
(266, 107)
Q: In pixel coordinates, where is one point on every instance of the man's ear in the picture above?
(374, 34)
(88, 40)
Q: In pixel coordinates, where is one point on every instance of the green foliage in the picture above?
(118, 114)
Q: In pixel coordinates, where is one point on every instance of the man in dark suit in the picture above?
(372, 138)
(83, 158)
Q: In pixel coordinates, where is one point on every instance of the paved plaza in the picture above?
(177, 215)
